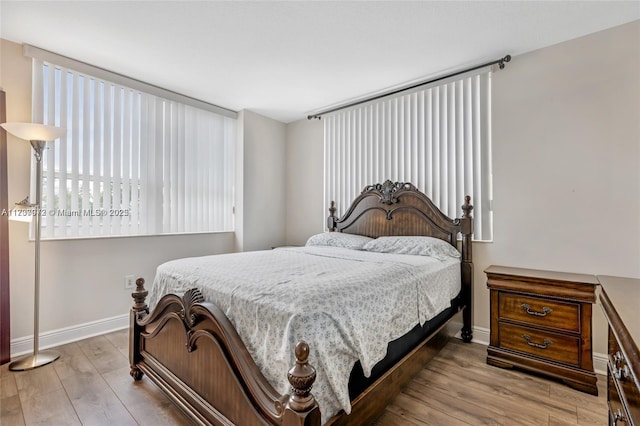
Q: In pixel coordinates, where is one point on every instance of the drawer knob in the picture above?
(618, 358)
(620, 373)
(544, 313)
(545, 343)
(618, 417)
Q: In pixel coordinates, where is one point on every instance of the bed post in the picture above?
(301, 409)
(331, 220)
(138, 310)
(467, 270)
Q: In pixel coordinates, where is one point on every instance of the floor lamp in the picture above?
(38, 135)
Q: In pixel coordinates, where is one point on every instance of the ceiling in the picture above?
(291, 58)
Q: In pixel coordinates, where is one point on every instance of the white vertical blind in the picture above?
(131, 163)
(437, 137)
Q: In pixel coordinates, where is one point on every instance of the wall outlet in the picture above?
(129, 282)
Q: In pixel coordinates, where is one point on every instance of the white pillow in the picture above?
(339, 239)
(419, 246)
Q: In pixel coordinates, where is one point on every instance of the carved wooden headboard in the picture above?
(399, 209)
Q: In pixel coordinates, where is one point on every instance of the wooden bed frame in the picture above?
(191, 350)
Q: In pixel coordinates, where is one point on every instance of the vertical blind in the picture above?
(131, 163)
(437, 137)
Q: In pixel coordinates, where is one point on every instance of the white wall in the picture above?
(83, 280)
(567, 155)
(566, 158)
(264, 175)
(305, 159)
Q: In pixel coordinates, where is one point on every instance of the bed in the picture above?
(193, 349)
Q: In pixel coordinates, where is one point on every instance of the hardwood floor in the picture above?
(489, 395)
(90, 385)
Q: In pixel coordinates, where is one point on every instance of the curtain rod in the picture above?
(500, 63)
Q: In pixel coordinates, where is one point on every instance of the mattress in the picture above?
(347, 304)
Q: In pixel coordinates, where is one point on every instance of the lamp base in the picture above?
(30, 362)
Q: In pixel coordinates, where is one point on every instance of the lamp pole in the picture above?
(38, 358)
(38, 147)
(38, 135)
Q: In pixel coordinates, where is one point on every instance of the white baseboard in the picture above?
(481, 335)
(66, 335)
(49, 339)
(600, 363)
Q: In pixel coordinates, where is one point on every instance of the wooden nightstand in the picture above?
(541, 322)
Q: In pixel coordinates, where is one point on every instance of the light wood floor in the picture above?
(90, 385)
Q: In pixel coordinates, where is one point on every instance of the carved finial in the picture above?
(302, 352)
(301, 377)
(139, 296)
(331, 220)
(467, 207)
(332, 209)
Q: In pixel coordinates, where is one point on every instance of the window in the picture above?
(132, 162)
(438, 138)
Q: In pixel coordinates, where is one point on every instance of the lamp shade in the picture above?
(34, 131)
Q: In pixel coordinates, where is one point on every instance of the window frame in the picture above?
(401, 136)
(167, 101)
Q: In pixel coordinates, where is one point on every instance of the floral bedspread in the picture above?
(346, 304)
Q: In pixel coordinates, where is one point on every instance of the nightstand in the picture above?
(541, 322)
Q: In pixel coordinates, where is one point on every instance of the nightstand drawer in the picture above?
(548, 345)
(539, 311)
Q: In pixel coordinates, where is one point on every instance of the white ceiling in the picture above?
(287, 59)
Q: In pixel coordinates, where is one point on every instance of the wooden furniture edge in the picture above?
(541, 274)
(579, 287)
(628, 346)
(576, 378)
(201, 320)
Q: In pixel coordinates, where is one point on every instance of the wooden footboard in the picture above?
(193, 353)
(190, 349)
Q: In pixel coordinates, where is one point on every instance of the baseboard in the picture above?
(49, 339)
(66, 335)
(481, 335)
(600, 363)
